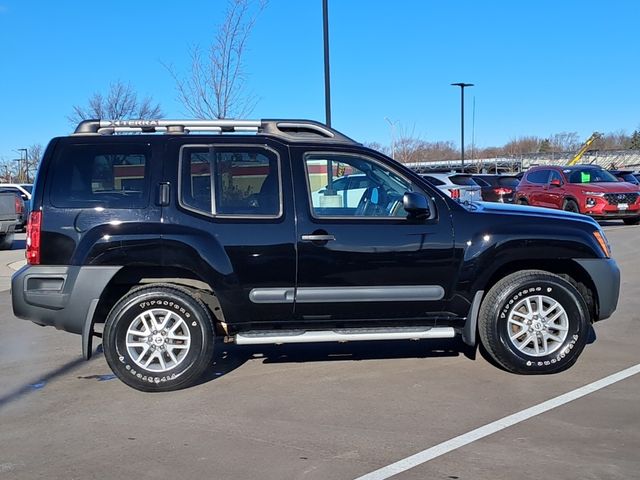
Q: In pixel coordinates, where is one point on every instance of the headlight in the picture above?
(602, 241)
(594, 194)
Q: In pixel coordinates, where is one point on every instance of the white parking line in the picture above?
(493, 427)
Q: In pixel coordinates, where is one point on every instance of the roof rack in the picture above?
(292, 130)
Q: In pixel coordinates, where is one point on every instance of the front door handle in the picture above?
(317, 238)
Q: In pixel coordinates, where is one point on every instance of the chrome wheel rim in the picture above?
(537, 325)
(158, 340)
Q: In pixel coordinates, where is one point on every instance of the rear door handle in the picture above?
(163, 194)
(317, 238)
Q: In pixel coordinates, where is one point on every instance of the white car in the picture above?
(348, 191)
(459, 186)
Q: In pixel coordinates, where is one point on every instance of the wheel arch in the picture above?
(568, 269)
(131, 277)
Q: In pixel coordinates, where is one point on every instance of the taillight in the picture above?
(503, 191)
(34, 227)
(455, 193)
(19, 205)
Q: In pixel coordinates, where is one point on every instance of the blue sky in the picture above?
(540, 67)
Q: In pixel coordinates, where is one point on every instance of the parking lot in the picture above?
(332, 411)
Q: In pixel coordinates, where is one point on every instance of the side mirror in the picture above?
(555, 183)
(416, 205)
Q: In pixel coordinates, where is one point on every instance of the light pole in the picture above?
(327, 79)
(392, 125)
(462, 87)
(26, 161)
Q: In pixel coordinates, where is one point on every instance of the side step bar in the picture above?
(341, 335)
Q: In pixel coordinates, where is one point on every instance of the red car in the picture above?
(585, 189)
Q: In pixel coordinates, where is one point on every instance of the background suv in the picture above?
(585, 189)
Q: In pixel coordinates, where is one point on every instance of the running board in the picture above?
(341, 335)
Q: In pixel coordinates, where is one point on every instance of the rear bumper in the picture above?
(8, 226)
(59, 296)
(605, 274)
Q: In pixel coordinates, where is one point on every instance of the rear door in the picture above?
(536, 190)
(367, 261)
(231, 220)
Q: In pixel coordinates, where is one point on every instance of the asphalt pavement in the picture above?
(332, 411)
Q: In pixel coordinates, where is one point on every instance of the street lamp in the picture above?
(392, 125)
(462, 87)
(26, 161)
(327, 81)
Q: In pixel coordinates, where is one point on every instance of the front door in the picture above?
(364, 260)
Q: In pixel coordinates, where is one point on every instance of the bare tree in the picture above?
(215, 84)
(121, 102)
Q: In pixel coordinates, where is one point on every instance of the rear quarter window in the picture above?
(100, 175)
(433, 180)
(463, 180)
(508, 181)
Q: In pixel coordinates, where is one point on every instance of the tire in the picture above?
(570, 206)
(6, 241)
(159, 362)
(522, 201)
(631, 221)
(515, 301)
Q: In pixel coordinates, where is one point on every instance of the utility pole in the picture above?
(462, 86)
(327, 77)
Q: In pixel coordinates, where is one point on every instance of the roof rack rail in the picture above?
(292, 130)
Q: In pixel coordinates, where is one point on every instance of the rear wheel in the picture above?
(571, 206)
(522, 201)
(159, 338)
(631, 221)
(534, 322)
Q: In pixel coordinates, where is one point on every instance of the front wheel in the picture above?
(534, 322)
(571, 206)
(158, 338)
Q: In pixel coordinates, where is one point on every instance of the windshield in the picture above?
(590, 175)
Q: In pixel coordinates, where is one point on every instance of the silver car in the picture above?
(459, 186)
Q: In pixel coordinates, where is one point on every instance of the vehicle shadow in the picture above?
(40, 382)
(228, 357)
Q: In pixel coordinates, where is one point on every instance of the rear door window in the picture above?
(101, 175)
(234, 181)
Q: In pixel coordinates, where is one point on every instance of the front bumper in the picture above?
(605, 274)
(65, 297)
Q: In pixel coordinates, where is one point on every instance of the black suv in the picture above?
(171, 240)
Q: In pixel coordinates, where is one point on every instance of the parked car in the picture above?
(458, 186)
(11, 210)
(24, 191)
(497, 188)
(585, 189)
(626, 176)
(346, 190)
(171, 240)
